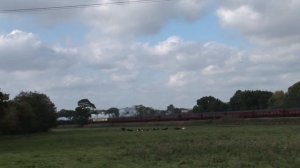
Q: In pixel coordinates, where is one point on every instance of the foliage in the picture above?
(83, 112)
(113, 112)
(196, 109)
(143, 111)
(250, 100)
(3, 97)
(86, 104)
(293, 96)
(66, 113)
(3, 103)
(277, 100)
(20, 119)
(3, 111)
(209, 104)
(42, 107)
(172, 110)
(28, 112)
(81, 116)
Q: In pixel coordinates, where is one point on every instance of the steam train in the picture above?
(211, 116)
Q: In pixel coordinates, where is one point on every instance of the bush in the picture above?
(29, 112)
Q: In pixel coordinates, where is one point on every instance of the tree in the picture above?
(20, 119)
(113, 112)
(196, 109)
(3, 103)
(171, 109)
(277, 100)
(237, 101)
(81, 116)
(209, 104)
(143, 111)
(41, 109)
(86, 104)
(66, 113)
(4, 112)
(3, 97)
(28, 112)
(250, 100)
(293, 96)
(83, 111)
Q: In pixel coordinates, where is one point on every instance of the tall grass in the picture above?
(197, 146)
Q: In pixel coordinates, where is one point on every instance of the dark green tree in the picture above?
(81, 116)
(83, 111)
(293, 96)
(20, 119)
(196, 109)
(250, 100)
(277, 100)
(86, 104)
(177, 111)
(143, 111)
(66, 113)
(4, 111)
(172, 110)
(113, 112)
(209, 104)
(39, 107)
(3, 103)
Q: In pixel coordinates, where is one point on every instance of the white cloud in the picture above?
(267, 23)
(273, 28)
(167, 46)
(178, 79)
(117, 73)
(244, 17)
(18, 38)
(21, 51)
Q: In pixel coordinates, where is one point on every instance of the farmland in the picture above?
(206, 145)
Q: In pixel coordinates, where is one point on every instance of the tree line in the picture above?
(31, 112)
(252, 100)
(83, 112)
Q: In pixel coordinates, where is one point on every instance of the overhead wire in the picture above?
(39, 9)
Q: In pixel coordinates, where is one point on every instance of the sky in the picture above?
(155, 54)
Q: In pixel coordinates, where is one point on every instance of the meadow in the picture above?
(205, 145)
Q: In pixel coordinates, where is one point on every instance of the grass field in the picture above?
(197, 146)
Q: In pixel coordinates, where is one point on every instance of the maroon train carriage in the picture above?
(212, 115)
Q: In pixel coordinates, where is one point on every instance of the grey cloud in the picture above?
(140, 19)
(46, 18)
(114, 20)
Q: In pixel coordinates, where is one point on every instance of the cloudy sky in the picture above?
(155, 54)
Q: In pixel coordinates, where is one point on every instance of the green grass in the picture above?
(197, 146)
